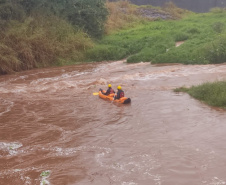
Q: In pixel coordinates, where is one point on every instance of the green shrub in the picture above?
(181, 36)
(218, 27)
(215, 52)
(105, 52)
(213, 94)
(172, 57)
(135, 58)
(89, 15)
(148, 54)
(193, 30)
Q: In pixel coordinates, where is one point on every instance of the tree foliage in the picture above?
(88, 15)
(10, 11)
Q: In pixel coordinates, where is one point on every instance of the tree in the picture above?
(11, 11)
(90, 15)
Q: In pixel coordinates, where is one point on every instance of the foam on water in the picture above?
(25, 179)
(10, 149)
(143, 164)
(129, 183)
(58, 151)
(174, 71)
(215, 181)
(51, 84)
(5, 106)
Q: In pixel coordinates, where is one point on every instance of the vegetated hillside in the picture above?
(123, 14)
(126, 16)
(39, 33)
(204, 35)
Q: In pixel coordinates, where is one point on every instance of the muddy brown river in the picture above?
(53, 130)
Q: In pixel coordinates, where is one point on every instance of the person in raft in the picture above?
(109, 90)
(120, 93)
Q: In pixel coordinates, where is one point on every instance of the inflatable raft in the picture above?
(110, 97)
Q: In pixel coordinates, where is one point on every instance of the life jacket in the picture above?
(111, 91)
(121, 94)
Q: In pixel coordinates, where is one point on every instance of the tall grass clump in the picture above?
(215, 51)
(41, 42)
(213, 94)
(8, 60)
(122, 14)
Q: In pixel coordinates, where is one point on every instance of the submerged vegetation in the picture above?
(213, 94)
(40, 33)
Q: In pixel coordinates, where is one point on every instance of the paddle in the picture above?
(113, 99)
(96, 93)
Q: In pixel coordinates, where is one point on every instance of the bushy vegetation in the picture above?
(40, 33)
(122, 14)
(213, 94)
(40, 43)
(154, 41)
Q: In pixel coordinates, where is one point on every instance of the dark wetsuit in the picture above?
(109, 91)
(120, 94)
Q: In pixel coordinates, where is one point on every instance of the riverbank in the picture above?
(42, 38)
(213, 94)
(137, 33)
(48, 33)
(154, 41)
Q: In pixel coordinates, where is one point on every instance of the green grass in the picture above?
(213, 94)
(204, 35)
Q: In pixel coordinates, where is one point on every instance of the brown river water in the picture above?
(53, 130)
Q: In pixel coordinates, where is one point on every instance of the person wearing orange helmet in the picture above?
(109, 90)
(120, 93)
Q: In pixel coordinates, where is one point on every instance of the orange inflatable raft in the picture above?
(110, 97)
